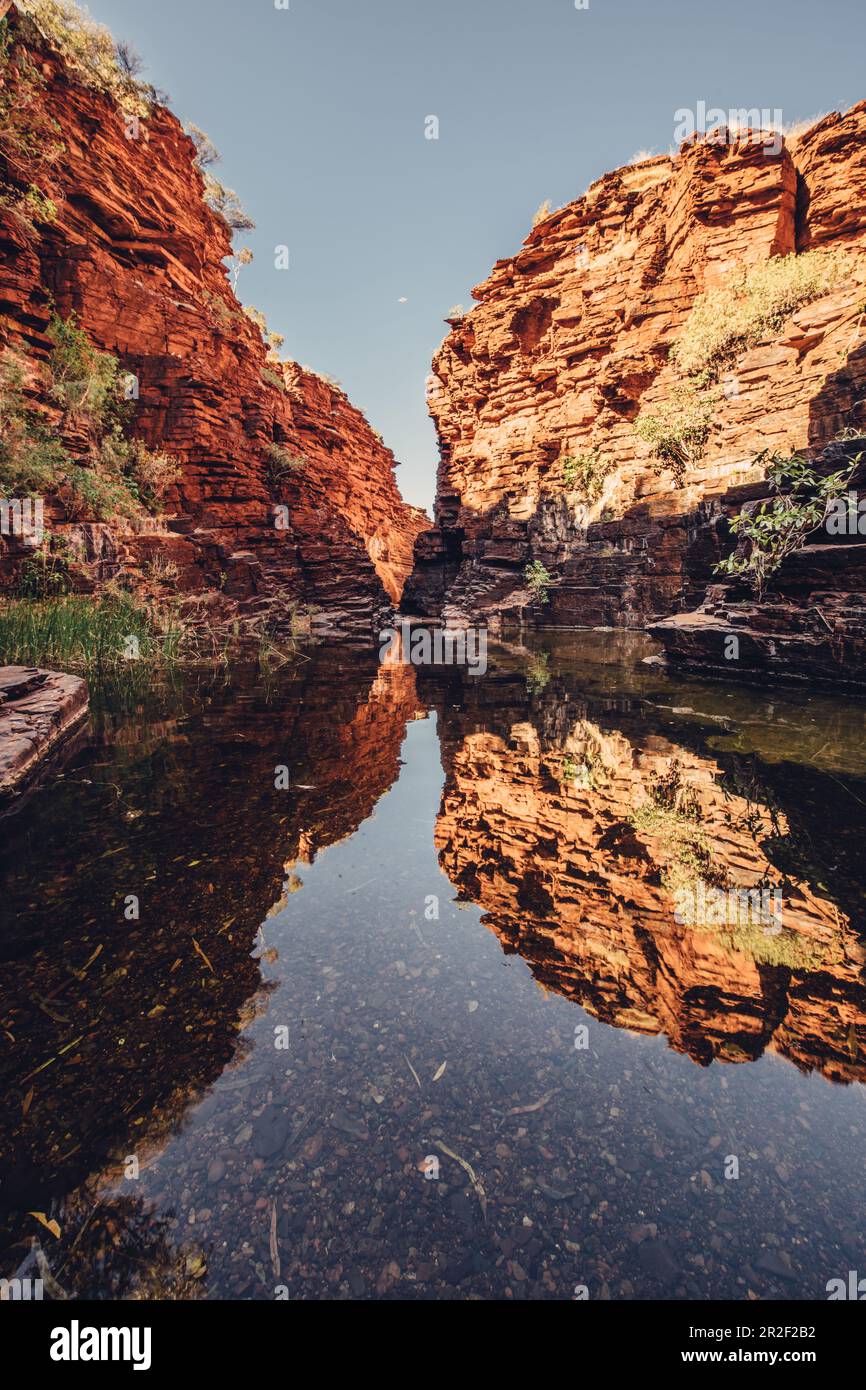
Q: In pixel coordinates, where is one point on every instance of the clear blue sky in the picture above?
(319, 113)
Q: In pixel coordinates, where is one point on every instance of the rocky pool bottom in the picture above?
(368, 981)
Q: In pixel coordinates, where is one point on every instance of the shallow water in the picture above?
(424, 1023)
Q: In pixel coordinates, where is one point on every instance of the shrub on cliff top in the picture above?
(752, 302)
(206, 151)
(272, 341)
(226, 204)
(221, 200)
(89, 48)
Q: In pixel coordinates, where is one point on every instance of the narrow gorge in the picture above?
(462, 906)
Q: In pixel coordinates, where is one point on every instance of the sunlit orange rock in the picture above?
(569, 341)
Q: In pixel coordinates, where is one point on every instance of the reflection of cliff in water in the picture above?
(113, 1027)
(574, 826)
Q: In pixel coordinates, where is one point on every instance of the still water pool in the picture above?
(421, 1016)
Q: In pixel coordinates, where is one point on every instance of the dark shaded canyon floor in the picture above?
(245, 1091)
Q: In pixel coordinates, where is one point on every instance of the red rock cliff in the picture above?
(569, 342)
(138, 256)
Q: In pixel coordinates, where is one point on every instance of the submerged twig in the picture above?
(470, 1172)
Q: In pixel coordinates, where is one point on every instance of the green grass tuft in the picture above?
(752, 302)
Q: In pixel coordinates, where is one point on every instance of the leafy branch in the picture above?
(781, 526)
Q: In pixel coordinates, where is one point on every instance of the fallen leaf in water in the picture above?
(51, 1285)
(196, 1266)
(440, 1072)
(203, 956)
(27, 1101)
(79, 974)
(51, 1226)
(470, 1173)
(536, 1105)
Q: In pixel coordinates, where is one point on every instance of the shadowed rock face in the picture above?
(112, 1026)
(543, 824)
(569, 342)
(137, 255)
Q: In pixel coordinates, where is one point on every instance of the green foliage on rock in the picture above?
(111, 475)
(538, 582)
(678, 429)
(585, 473)
(281, 464)
(750, 303)
(30, 140)
(724, 322)
(32, 457)
(768, 534)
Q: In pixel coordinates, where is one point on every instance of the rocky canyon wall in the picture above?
(132, 250)
(569, 343)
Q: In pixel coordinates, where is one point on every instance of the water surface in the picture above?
(423, 1022)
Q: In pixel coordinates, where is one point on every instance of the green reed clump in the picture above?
(84, 634)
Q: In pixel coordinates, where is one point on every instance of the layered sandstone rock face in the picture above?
(541, 824)
(138, 257)
(569, 342)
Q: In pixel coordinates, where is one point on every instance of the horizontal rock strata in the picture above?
(137, 255)
(569, 341)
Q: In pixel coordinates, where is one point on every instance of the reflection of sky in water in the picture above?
(411, 1038)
